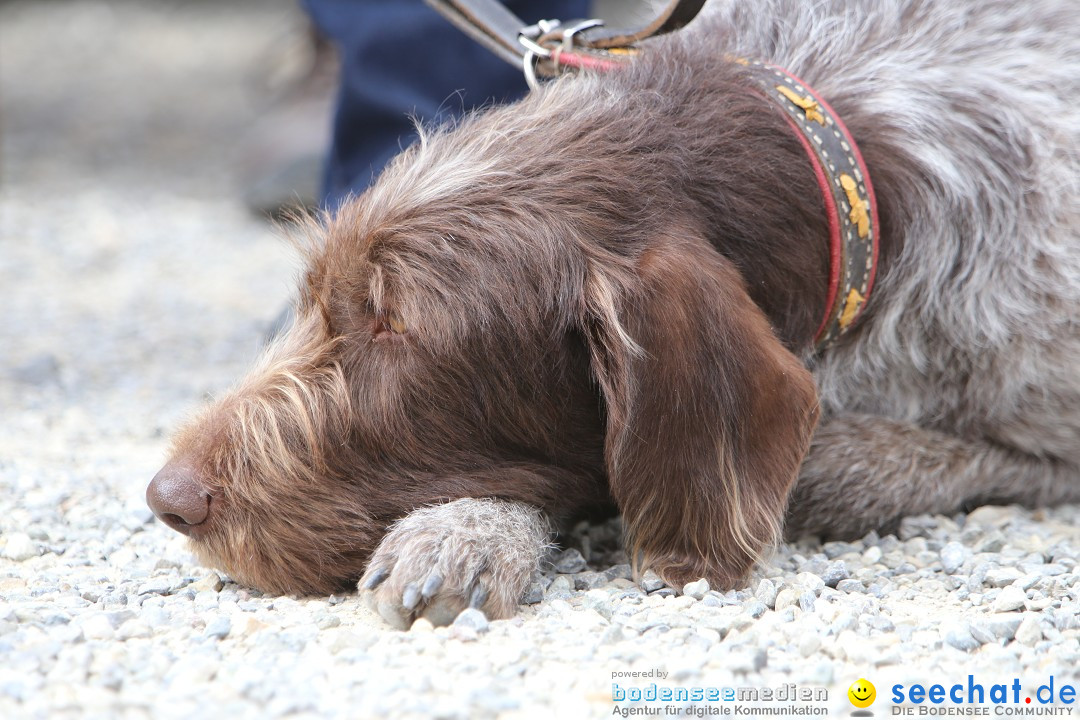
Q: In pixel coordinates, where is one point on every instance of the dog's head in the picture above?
(501, 315)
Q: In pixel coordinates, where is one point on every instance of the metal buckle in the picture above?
(528, 36)
(581, 25)
(534, 51)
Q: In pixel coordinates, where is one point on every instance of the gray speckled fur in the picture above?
(964, 386)
(476, 548)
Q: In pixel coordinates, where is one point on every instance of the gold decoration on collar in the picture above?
(851, 308)
(860, 209)
(808, 104)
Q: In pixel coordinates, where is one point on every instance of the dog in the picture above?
(610, 294)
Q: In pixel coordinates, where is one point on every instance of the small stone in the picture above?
(619, 572)
(994, 516)
(94, 593)
(40, 370)
(1009, 599)
(422, 625)
(246, 624)
(1029, 632)
(872, 555)
(766, 592)
(218, 628)
(977, 576)
(598, 600)
(924, 558)
(650, 582)
(996, 628)
(161, 585)
(696, 589)
(809, 644)
(464, 633)
(561, 586)
(815, 565)
(747, 660)
(786, 598)
(1066, 619)
(663, 593)
(569, 561)
(473, 619)
(534, 594)
(20, 547)
(806, 601)
(205, 600)
(835, 573)
(960, 637)
(850, 586)
(1038, 604)
(119, 617)
(1002, 576)
(992, 543)
(211, 582)
(845, 620)
(755, 608)
(616, 634)
(835, 549)
(953, 556)
(134, 629)
(325, 621)
(346, 640)
(589, 580)
(916, 526)
(97, 627)
(893, 559)
(809, 582)
(1027, 582)
(881, 623)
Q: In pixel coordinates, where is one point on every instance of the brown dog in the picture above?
(610, 291)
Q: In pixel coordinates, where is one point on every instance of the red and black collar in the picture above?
(846, 190)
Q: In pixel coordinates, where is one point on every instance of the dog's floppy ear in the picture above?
(708, 415)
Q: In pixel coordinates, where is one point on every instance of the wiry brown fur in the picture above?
(602, 294)
(521, 284)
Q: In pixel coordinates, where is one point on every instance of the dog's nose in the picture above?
(178, 498)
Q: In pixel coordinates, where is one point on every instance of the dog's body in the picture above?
(609, 292)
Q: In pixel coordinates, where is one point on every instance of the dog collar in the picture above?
(845, 186)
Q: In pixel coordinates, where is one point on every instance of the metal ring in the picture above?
(533, 48)
(569, 33)
(529, 67)
(528, 36)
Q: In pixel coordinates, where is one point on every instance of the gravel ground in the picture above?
(133, 285)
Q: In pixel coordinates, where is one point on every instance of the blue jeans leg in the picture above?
(399, 58)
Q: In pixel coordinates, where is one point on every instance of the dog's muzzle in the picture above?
(178, 499)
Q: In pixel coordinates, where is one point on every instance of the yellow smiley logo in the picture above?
(862, 693)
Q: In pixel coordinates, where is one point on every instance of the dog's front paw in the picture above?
(439, 560)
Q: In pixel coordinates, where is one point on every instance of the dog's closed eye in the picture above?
(389, 324)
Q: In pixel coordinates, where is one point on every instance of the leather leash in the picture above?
(550, 46)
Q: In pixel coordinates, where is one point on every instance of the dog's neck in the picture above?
(762, 195)
(847, 195)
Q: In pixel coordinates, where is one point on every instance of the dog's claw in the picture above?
(431, 586)
(410, 597)
(478, 596)
(375, 578)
